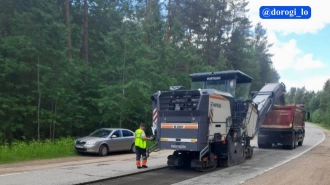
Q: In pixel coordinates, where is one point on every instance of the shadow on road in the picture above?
(96, 155)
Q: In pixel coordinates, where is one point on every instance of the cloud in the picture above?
(307, 62)
(296, 67)
(317, 21)
(288, 56)
(316, 83)
(310, 83)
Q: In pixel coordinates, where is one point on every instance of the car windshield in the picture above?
(101, 133)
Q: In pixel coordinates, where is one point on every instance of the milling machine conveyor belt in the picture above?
(266, 98)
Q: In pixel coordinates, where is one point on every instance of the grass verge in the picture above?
(321, 125)
(25, 151)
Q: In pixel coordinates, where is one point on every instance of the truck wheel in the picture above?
(291, 146)
(300, 143)
(296, 141)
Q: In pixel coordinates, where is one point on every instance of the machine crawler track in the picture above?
(207, 169)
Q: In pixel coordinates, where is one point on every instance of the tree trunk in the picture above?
(68, 29)
(50, 124)
(39, 98)
(123, 84)
(148, 21)
(54, 121)
(168, 20)
(85, 35)
(148, 4)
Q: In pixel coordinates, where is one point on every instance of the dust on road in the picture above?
(311, 168)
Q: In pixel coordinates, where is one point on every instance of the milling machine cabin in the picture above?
(212, 124)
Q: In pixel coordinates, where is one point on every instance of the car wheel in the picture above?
(103, 151)
(133, 149)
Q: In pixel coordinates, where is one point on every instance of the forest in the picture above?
(68, 67)
(317, 103)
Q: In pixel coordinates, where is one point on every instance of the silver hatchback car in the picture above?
(106, 140)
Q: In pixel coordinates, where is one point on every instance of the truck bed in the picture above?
(284, 117)
(283, 125)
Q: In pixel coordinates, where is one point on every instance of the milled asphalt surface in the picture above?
(82, 173)
(262, 161)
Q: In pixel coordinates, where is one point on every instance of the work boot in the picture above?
(144, 166)
(139, 167)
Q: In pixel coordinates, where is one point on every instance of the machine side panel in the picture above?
(251, 121)
(179, 136)
(219, 111)
(203, 121)
(181, 130)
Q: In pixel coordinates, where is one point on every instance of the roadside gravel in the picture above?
(311, 168)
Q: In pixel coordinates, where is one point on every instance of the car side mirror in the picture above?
(113, 136)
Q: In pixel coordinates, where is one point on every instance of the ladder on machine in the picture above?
(152, 148)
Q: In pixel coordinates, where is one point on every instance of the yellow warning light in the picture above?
(205, 159)
(193, 141)
(163, 139)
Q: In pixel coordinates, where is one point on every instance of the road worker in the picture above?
(140, 147)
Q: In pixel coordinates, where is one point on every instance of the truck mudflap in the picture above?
(287, 138)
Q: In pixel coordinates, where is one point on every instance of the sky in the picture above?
(301, 47)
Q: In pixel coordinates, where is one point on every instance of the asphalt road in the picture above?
(263, 160)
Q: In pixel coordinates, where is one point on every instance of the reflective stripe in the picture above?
(138, 139)
(179, 140)
(154, 116)
(211, 115)
(179, 125)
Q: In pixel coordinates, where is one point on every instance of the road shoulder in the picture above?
(67, 161)
(313, 167)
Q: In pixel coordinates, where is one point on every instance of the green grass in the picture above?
(321, 125)
(22, 151)
(27, 151)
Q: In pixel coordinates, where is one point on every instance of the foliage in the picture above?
(318, 104)
(23, 151)
(53, 86)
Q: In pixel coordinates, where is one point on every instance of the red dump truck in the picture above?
(283, 125)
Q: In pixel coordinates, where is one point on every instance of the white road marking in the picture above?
(277, 165)
(4, 175)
